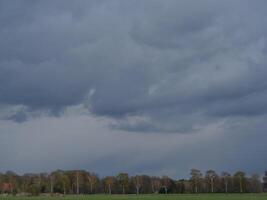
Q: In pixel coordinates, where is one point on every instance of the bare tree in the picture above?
(255, 183)
(65, 182)
(265, 182)
(77, 182)
(93, 180)
(109, 182)
(138, 182)
(155, 184)
(166, 181)
(196, 177)
(226, 177)
(211, 176)
(123, 179)
(241, 179)
(51, 183)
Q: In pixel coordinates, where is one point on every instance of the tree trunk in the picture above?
(166, 190)
(40, 180)
(152, 188)
(91, 184)
(77, 183)
(212, 185)
(240, 184)
(123, 190)
(109, 188)
(226, 187)
(64, 188)
(51, 185)
(137, 190)
(91, 188)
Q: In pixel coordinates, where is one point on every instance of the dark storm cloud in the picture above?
(154, 66)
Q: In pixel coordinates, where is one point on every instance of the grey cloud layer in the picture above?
(80, 141)
(81, 75)
(177, 65)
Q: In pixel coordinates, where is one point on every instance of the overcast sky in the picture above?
(156, 87)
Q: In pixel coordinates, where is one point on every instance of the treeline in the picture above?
(83, 182)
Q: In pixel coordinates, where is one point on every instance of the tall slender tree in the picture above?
(138, 182)
(65, 183)
(226, 178)
(166, 181)
(210, 177)
(196, 177)
(265, 182)
(93, 180)
(155, 184)
(51, 177)
(241, 179)
(123, 179)
(255, 183)
(77, 183)
(109, 182)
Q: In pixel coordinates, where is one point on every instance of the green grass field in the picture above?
(150, 197)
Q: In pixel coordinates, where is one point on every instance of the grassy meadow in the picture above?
(150, 197)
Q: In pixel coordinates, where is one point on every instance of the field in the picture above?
(150, 197)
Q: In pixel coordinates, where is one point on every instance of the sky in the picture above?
(145, 87)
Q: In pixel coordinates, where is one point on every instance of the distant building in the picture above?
(265, 182)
